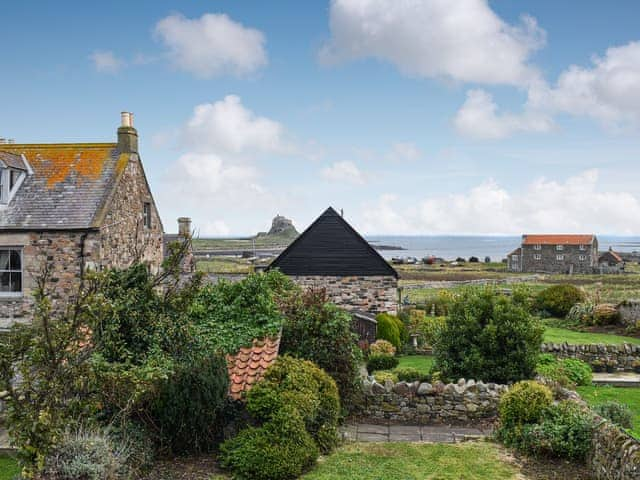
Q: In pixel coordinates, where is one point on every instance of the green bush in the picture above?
(185, 414)
(564, 432)
(307, 388)
(321, 333)
(388, 329)
(524, 403)
(428, 329)
(381, 362)
(403, 331)
(559, 299)
(280, 449)
(382, 376)
(86, 455)
(382, 347)
(568, 372)
(488, 336)
(410, 374)
(616, 412)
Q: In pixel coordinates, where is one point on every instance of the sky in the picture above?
(416, 117)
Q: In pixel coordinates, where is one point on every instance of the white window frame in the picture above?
(146, 215)
(583, 247)
(537, 246)
(582, 258)
(560, 257)
(559, 248)
(20, 251)
(537, 256)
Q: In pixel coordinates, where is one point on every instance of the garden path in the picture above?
(620, 379)
(364, 432)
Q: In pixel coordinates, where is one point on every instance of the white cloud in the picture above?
(576, 205)
(346, 172)
(404, 152)
(106, 61)
(608, 92)
(215, 228)
(462, 40)
(212, 45)
(479, 118)
(227, 126)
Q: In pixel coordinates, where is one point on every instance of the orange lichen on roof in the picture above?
(56, 162)
(247, 366)
(557, 239)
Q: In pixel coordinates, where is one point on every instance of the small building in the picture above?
(69, 207)
(611, 262)
(555, 254)
(330, 254)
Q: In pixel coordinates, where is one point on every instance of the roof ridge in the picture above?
(12, 146)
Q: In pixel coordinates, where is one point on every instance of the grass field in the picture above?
(9, 468)
(223, 265)
(562, 335)
(421, 362)
(411, 461)
(595, 395)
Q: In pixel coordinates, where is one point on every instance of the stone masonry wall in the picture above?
(623, 355)
(629, 311)
(124, 238)
(615, 455)
(571, 262)
(378, 294)
(423, 403)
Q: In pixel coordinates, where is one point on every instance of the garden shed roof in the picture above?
(247, 366)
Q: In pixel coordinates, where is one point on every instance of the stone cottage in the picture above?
(611, 262)
(555, 254)
(67, 208)
(330, 254)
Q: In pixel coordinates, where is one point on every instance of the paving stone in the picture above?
(372, 437)
(405, 437)
(404, 429)
(438, 438)
(379, 429)
(466, 431)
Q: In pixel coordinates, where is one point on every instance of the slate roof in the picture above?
(517, 251)
(13, 160)
(331, 247)
(248, 365)
(556, 239)
(70, 186)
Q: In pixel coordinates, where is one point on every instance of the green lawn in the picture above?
(9, 468)
(595, 395)
(421, 362)
(561, 335)
(413, 461)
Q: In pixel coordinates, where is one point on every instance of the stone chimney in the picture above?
(184, 227)
(127, 135)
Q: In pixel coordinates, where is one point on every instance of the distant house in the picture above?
(555, 254)
(330, 254)
(611, 262)
(71, 207)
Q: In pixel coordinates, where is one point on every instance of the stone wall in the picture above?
(623, 355)
(376, 294)
(571, 262)
(423, 403)
(615, 455)
(629, 311)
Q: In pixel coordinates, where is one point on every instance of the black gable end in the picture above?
(331, 247)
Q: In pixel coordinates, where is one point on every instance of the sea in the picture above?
(496, 248)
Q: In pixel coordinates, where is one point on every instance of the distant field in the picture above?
(265, 241)
(224, 265)
(562, 335)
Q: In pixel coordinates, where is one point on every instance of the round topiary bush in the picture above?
(559, 299)
(381, 362)
(382, 347)
(388, 329)
(410, 374)
(524, 403)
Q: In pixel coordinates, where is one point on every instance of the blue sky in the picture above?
(415, 117)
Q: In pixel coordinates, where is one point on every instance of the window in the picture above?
(10, 271)
(582, 258)
(537, 247)
(583, 247)
(559, 247)
(146, 214)
(560, 257)
(13, 178)
(537, 256)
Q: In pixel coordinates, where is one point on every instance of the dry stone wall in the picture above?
(423, 403)
(629, 312)
(622, 356)
(615, 455)
(376, 294)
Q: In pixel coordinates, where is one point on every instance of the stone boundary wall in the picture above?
(615, 455)
(629, 312)
(623, 355)
(422, 403)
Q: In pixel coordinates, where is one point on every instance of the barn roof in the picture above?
(247, 366)
(331, 247)
(558, 239)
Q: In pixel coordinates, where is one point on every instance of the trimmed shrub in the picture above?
(320, 332)
(280, 449)
(402, 329)
(300, 384)
(382, 376)
(381, 362)
(564, 432)
(616, 412)
(559, 299)
(388, 329)
(524, 403)
(186, 411)
(410, 374)
(488, 336)
(86, 455)
(382, 347)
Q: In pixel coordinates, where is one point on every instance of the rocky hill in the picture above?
(281, 228)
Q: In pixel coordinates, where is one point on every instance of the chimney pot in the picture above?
(184, 227)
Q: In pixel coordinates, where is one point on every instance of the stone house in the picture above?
(611, 262)
(330, 254)
(66, 208)
(555, 254)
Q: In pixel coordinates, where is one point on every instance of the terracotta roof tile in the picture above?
(557, 239)
(247, 366)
